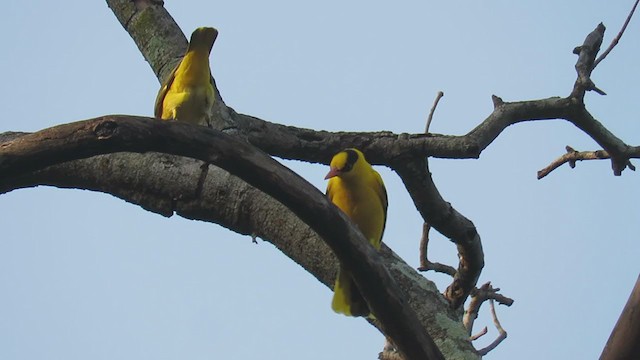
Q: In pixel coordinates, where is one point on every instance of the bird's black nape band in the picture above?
(352, 157)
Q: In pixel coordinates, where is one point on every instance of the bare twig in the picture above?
(616, 39)
(479, 296)
(433, 109)
(482, 294)
(425, 264)
(477, 336)
(502, 334)
(572, 156)
(424, 244)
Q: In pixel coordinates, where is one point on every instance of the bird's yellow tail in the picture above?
(346, 297)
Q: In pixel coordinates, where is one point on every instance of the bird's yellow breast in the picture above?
(190, 95)
(188, 104)
(193, 71)
(362, 204)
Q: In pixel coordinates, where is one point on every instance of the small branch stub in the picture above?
(482, 333)
(105, 129)
(497, 101)
(433, 109)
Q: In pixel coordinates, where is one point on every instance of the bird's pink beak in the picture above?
(333, 172)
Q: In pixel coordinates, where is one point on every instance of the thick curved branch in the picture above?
(449, 222)
(133, 134)
(154, 31)
(167, 184)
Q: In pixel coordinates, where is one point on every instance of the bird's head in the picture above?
(344, 162)
(203, 37)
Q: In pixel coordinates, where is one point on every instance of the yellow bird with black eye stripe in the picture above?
(188, 93)
(357, 189)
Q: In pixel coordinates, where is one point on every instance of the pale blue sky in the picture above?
(87, 276)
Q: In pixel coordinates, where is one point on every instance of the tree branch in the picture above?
(502, 334)
(624, 341)
(432, 111)
(616, 39)
(444, 218)
(162, 43)
(478, 297)
(572, 156)
(425, 264)
(482, 333)
(134, 134)
(586, 57)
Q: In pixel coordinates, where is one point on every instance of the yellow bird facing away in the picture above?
(359, 192)
(188, 93)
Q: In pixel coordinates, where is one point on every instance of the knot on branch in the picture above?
(105, 129)
(618, 165)
(456, 294)
(143, 4)
(497, 101)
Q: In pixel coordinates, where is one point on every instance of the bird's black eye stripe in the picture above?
(352, 157)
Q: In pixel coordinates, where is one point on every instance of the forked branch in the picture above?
(485, 293)
(502, 334)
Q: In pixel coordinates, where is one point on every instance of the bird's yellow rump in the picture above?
(359, 192)
(188, 93)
